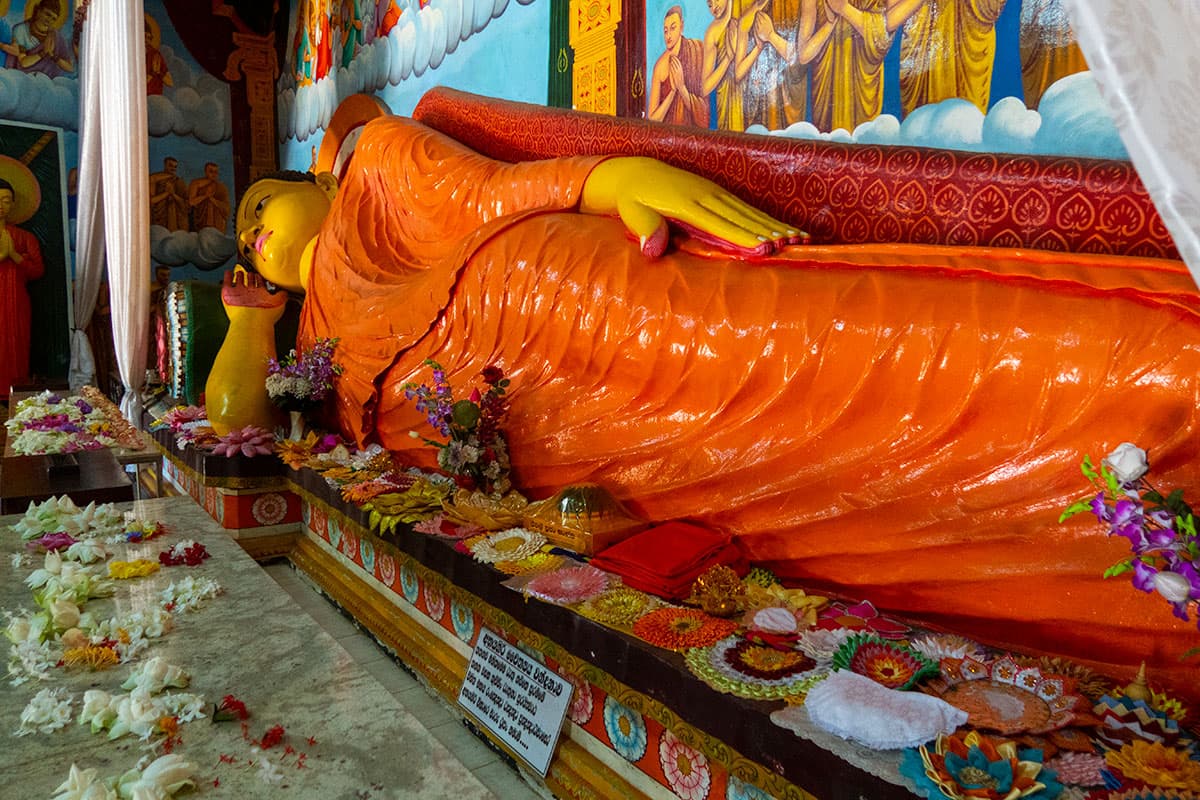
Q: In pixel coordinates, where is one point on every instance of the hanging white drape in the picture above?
(113, 100)
(1144, 56)
(89, 228)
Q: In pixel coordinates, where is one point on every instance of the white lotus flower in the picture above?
(64, 614)
(99, 709)
(81, 784)
(87, 551)
(169, 773)
(156, 675)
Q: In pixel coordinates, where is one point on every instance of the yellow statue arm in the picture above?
(235, 394)
(646, 192)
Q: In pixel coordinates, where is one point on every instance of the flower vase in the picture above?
(297, 431)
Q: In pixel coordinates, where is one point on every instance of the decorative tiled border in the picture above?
(644, 733)
(233, 509)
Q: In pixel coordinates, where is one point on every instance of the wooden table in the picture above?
(27, 479)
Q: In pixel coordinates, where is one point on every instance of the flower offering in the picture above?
(301, 382)
(1164, 548)
(476, 451)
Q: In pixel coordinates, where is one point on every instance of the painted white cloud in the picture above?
(208, 249)
(196, 104)
(34, 97)
(1071, 120)
(420, 41)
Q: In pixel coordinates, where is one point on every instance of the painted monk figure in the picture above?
(901, 423)
(677, 82)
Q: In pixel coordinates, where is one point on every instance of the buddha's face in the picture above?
(6, 204)
(276, 219)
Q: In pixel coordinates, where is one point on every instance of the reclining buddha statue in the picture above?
(901, 423)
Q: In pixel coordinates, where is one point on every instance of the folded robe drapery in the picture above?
(898, 422)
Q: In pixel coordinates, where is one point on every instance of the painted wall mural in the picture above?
(984, 75)
(191, 158)
(34, 254)
(188, 116)
(396, 50)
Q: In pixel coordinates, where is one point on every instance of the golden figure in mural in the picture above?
(846, 42)
(728, 57)
(208, 200)
(168, 197)
(947, 50)
(1048, 48)
(779, 83)
(677, 81)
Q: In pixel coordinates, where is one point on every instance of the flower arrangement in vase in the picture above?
(1164, 547)
(476, 452)
(300, 383)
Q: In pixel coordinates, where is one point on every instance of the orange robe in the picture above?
(900, 423)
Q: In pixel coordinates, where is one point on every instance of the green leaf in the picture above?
(1110, 480)
(1186, 524)
(1152, 496)
(1075, 508)
(1089, 471)
(1120, 568)
(374, 518)
(1195, 651)
(465, 414)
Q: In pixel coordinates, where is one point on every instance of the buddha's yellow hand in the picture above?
(646, 193)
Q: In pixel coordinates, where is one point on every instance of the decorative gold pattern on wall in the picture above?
(593, 39)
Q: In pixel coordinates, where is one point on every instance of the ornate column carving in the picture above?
(253, 61)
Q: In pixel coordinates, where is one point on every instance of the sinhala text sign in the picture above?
(519, 700)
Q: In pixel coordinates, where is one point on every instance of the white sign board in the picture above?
(519, 700)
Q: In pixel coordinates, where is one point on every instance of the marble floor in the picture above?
(424, 704)
(354, 724)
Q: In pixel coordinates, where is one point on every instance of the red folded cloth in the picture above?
(665, 560)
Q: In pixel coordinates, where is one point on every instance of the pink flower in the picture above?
(52, 541)
(250, 441)
(176, 417)
(861, 617)
(685, 769)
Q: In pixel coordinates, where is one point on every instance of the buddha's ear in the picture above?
(328, 184)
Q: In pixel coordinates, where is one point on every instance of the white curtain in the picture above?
(89, 229)
(114, 128)
(1145, 59)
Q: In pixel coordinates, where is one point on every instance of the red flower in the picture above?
(231, 708)
(272, 737)
(492, 375)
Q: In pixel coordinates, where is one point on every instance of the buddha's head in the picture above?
(277, 220)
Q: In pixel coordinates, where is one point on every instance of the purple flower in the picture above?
(83, 406)
(1143, 576)
(1127, 521)
(1100, 508)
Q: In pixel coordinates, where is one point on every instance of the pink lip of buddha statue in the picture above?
(900, 422)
